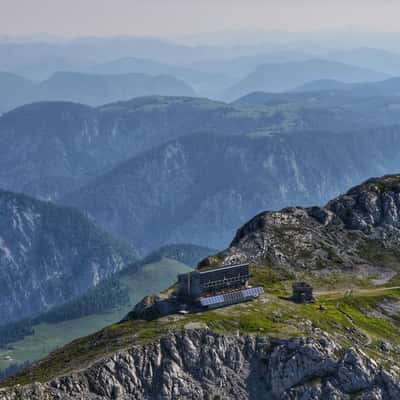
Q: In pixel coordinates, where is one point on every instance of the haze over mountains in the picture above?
(371, 58)
(214, 72)
(125, 161)
(88, 88)
(11, 87)
(81, 143)
(206, 83)
(128, 78)
(281, 77)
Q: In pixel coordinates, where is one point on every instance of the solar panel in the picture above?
(252, 292)
(208, 301)
(231, 297)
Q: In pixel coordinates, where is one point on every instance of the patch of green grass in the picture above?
(254, 323)
(348, 318)
(338, 281)
(329, 320)
(268, 278)
(358, 309)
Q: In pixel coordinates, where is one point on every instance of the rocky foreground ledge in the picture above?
(200, 364)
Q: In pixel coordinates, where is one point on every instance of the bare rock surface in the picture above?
(200, 364)
(358, 233)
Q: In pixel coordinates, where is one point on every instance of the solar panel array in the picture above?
(252, 292)
(231, 297)
(208, 301)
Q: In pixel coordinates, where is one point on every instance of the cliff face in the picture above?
(200, 364)
(199, 189)
(49, 255)
(356, 232)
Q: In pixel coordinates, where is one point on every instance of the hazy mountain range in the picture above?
(281, 77)
(11, 88)
(48, 149)
(87, 88)
(161, 170)
(127, 78)
(389, 87)
(205, 83)
(372, 58)
(216, 72)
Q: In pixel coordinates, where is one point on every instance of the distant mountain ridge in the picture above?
(50, 149)
(387, 87)
(100, 89)
(282, 77)
(90, 89)
(367, 57)
(361, 104)
(12, 88)
(323, 84)
(205, 84)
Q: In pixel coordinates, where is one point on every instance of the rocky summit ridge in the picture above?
(358, 232)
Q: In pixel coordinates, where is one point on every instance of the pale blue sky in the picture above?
(177, 17)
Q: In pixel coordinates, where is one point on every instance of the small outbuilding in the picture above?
(302, 293)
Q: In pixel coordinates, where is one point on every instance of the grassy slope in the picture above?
(350, 318)
(155, 277)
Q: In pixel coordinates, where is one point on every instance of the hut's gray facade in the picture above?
(197, 283)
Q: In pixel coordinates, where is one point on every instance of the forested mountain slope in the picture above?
(50, 255)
